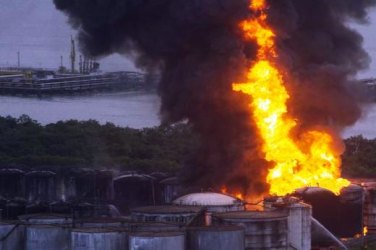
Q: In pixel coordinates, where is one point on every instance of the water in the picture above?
(42, 35)
(125, 109)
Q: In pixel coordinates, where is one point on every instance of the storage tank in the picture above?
(213, 202)
(153, 227)
(171, 189)
(369, 211)
(98, 239)
(101, 222)
(40, 186)
(215, 237)
(330, 209)
(263, 229)
(12, 235)
(51, 237)
(14, 208)
(46, 219)
(11, 183)
(176, 214)
(157, 241)
(299, 219)
(61, 207)
(134, 190)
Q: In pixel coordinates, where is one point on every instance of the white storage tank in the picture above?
(263, 229)
(51, 237)
(98, 239)
(12, 235)
(213, 202)
(175, 214)
(101, 222)
(157, 241)
(45, 219)
(215, 237)
(299, 224)
(153, 227)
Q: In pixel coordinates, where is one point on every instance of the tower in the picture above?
(73, 55)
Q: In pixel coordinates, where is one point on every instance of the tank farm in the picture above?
(305, 203)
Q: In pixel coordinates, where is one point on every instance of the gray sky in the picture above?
(42, 35)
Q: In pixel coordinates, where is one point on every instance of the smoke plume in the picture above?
(198, 47)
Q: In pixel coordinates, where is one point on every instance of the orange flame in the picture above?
(236, 195)
(365, 231)
(311, 159)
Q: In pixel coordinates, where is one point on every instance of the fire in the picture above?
(236, 195)
(365, 231)
(308, 160)
(239, 196)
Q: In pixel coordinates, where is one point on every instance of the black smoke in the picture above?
(199, 50)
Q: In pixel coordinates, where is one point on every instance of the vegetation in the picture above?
(24, 142)
(359, 159)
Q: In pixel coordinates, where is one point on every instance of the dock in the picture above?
(52, 83)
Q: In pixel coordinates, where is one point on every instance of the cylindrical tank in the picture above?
(351, 207)
(12, 235)
(369, 210)
(213, 202)
(83, 210)
(11, 183)
(263, 229)
(330, 209)
(134, 190)
(215, 237)
(153, 227)
(299, 224)
(51, 237)
(171, 189)
(176, 214)
(157, 241)
(14, 208)
(61, 207)
(101, 222)
(45, 219)
(98, 239)
(40, 186)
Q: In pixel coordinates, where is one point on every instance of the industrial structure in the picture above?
(91, 209)
(88, 77)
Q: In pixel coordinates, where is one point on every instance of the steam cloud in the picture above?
(198, 48)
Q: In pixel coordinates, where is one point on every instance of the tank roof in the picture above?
(216, 228)
(103, 220)
(207, 199)
(41, 173)
(11, 171)
(255, 215)
(44, 216)
(173, 209)
(156, 234)
(93, 230)
(143, 177)
(170, 181)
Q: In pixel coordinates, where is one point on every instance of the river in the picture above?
(126, 109)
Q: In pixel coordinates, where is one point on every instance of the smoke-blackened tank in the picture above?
(40, 186)
(134, 190)
(89, 185)
(341, 215)
(171, 189)
(11, 183)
